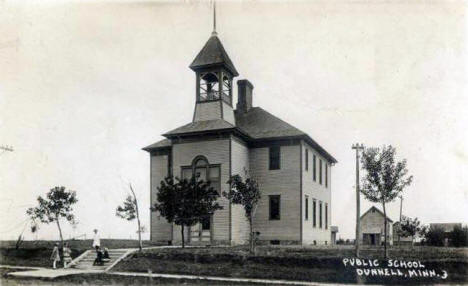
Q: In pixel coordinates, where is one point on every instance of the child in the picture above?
(66, 255)
(55, 256)
(105, 256)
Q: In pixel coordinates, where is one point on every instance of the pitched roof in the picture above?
(257, 124)
(212, 54)
(260, 124)
(379, 211)
(160, 144)
(201, 126)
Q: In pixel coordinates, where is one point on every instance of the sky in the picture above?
(85, 85)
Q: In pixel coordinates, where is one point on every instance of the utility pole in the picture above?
(399, 224)
(358, 148)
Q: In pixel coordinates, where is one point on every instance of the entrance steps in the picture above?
(85, 260)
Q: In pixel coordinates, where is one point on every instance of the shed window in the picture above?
(275, 206)
(275, 157)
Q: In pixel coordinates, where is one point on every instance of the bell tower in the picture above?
(214, 73)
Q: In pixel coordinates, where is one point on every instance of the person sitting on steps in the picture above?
(105, 256)
(98, 260)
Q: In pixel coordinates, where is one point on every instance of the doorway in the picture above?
(201, 233)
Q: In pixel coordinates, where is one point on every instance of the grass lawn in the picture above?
(293, 263)
(37, 253)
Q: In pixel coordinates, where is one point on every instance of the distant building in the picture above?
(372, 227)
(402, 240)
(447, 228)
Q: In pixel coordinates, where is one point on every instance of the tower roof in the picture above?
(213, 54)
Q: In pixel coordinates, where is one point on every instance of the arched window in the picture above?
(203, 170)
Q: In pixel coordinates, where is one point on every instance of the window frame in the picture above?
(271, 154)
(326, 215)
(314, 213)
(326, 175)
(307, 159)
(314, 168)
(320, 172)
(320, 215)
(270, 198)
(306, 212)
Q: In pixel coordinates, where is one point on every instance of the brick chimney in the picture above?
(244, 95)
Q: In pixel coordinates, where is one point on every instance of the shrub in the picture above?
(434, 236)
(459, 236)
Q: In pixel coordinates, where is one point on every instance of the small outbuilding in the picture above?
(372, 227)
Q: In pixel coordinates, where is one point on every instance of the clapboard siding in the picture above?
(316, 191)
(239, 164)
(217, 152)
(373, 222)
(228, 113)
(207, 111)
(284, 182)
(160, 228)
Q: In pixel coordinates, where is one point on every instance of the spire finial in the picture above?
(214, 19)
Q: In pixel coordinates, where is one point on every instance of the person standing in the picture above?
(66, 255)
(55, 256)
(96, 240)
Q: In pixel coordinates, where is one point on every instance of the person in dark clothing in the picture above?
(98, 260)
(105, 256)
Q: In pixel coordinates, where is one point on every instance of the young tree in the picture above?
(129, 211)
(246, 194)
(385, 179)
(57, 204)
(409, 227)
(185, 202)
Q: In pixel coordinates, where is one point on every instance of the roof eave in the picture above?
(231, 69)
(321, 150)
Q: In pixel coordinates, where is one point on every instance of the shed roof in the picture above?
(379, 211)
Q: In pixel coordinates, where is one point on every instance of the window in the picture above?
(320, 214)
(307, 160)
(326, 175)
(275, 157)
(314, 162)
(326, 216)
(314, 212)
(320, 171)
(306, 207)
(275, 207)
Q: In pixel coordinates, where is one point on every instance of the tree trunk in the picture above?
(251, 242)
(60, 230)
(385, 231)
(140, 245)
(182, 234)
